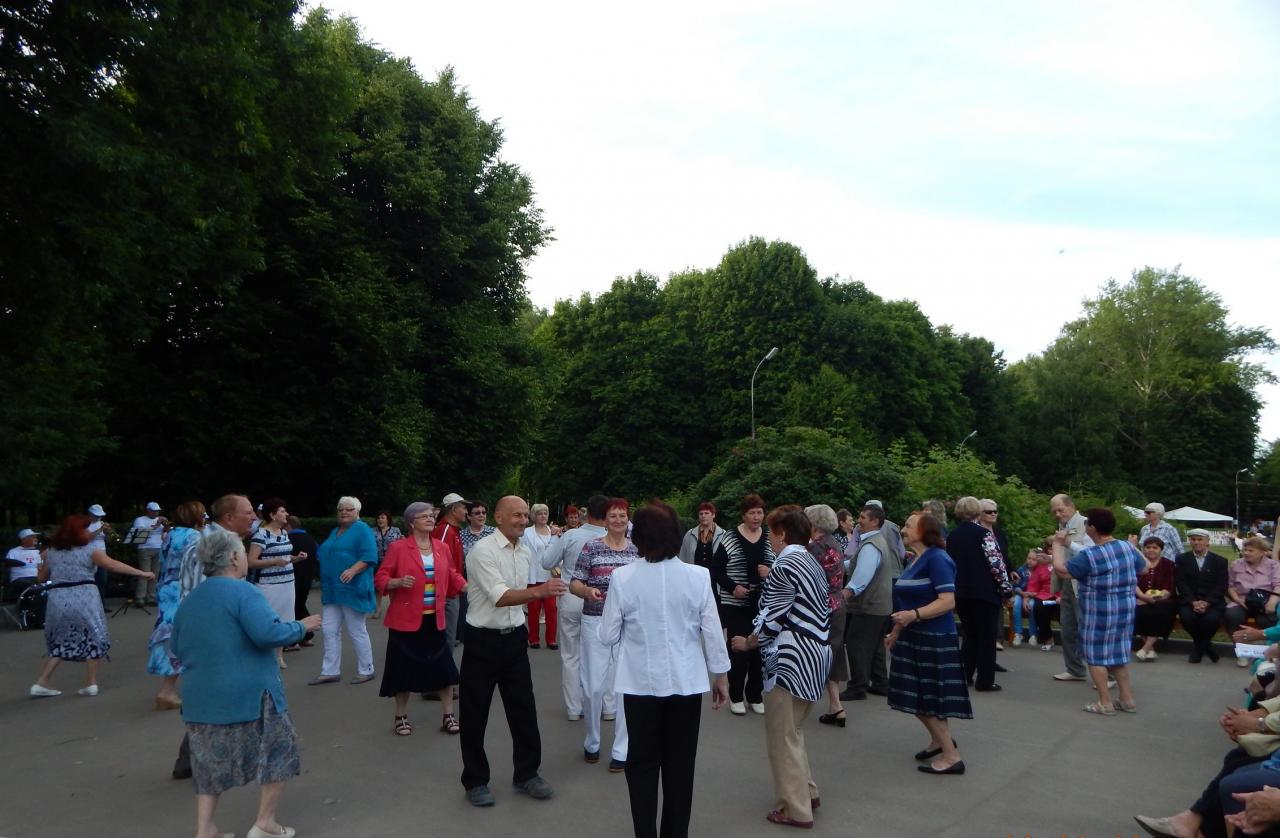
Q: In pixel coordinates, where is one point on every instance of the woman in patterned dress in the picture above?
(826, 548)
(75, 626)
(180, 572)
(1108, 576)
(927, 679)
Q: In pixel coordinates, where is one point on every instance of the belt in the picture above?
(508, 630)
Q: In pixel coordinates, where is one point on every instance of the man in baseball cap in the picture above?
(453, 514)
(23, 561)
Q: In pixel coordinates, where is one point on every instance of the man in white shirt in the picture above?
(560, 557)
(24, 562)
(1063, 509)
(148, 533)
(496, 654)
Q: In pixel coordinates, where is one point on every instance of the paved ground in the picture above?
(1038, 766)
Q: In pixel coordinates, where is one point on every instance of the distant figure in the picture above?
(1157, 526)
(152, 526)
(180, 572)
(24, 561)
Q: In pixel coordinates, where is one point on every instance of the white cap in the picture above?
(877, 504)
(1203, 533)
(27, 533)
(452, 498)
(153, 507)
(97, 510)
(1158, 508)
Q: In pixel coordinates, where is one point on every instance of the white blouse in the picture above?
(663, 618)
(537, 544)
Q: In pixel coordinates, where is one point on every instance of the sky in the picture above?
(996, 162)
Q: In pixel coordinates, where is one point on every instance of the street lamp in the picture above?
(971, 435)
(766, 357)
(1238, 473)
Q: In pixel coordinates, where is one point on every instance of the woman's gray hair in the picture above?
(412, 511)
(347, 500)
(967, 508)
(937, 509)
(536, 508)
(822, 517)
(216, 549)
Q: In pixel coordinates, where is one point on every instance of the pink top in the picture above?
(1242, 578)
(1041, 582)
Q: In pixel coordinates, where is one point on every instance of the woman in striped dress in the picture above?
(271, 561)
(927, 679)
(792, 632)
(738, 567)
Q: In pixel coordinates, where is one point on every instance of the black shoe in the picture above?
(617, 766)
(958, 768)
(873, 690)
(1212, 653)
(591, 757)
(535, 645)
(994, 688)
(837, 719)
(1195, 656)
(930, 753)
(182, 772)
(1000, 668)
(553, 646)
(853, 695)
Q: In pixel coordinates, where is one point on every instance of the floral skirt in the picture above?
(261, 751)
(75, 626)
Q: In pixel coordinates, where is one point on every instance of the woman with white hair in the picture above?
(348, 560)
(234, 707)
(537, 536)
(824, 547)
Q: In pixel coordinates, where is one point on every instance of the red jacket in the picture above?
(404, 611)
(449, 534)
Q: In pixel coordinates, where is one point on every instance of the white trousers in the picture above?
(334, 617)
(569, 635)
(599, 667)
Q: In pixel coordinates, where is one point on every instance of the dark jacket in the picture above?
(1209, 584)
(973, 573)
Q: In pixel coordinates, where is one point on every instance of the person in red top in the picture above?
(1156, 606)
(1040, 590)
(420, 575)
(452, 515)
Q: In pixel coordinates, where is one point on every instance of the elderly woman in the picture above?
(226, 634)
(537, 538)
(699, 544)
(1107, 574)
(926, 678)
(75, 627)
(1157, 606)
(180, 572)
(419, 574)
(348, 559)
(1253, 571)
(846, 534)
(271, 560)
(825, 547)
(738, 568)
(982, 583)
(661, 617)
(792, 629)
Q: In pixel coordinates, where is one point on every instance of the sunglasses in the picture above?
(991, 512)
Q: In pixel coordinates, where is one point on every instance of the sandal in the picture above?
(1131, 707)
(403, 727)
(1100, 708)
(450, 724)
(838, 718)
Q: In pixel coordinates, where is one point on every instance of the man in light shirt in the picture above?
(24, 562)
(148, 533)
(496, 654)
(1063, 508)
(869, 602)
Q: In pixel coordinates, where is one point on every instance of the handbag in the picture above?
(1255, 602)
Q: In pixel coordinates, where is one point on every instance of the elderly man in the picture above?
(24, 562)
(148, 533)
(1063, 508)
(891, 531)
(868, 600)
(453, 515)
(1201, 579)
(1160, 528)
(560, 557)
(497, 655)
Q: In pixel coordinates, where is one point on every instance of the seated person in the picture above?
(1157, 605)
(1260, 814)
(1256, 734)
(1044, 601)
(1022, 605)
(23, 562)
(1254, 570)
(1201, 581)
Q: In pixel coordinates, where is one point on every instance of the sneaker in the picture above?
(617, 766)
(1242, 662)
(1067, 676)
(38, 691)
(1151, 655)
(608, 717)
(1141, 655)
(737, 708)
(757, 708)
(480, 796)
(535, 787)
(575, 717)
(1017, 640)
(1048, 647)
(92, 689)
(999, 646)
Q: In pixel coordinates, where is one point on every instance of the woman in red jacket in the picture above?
(419, 574)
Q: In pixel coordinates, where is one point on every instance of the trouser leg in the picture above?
(645, 763)
(359, 631)
(571, 653)
(682, 716)
(1234, 616)
(515, 684)
(331, 628)
(1069, 620)
(481, 666)
(595, 666)
(551, 608)
(451, 607)
(788, 761)
(533, 620)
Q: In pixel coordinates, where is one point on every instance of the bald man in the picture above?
(496, 654)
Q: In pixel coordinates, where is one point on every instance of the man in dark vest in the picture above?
(868, 597)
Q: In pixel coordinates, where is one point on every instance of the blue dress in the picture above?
(927, 677)
(339, 552)
(1108, 577)
(180, 571)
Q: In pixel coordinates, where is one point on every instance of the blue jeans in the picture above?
(1018, 616)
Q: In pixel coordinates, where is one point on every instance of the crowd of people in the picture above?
(790, 607)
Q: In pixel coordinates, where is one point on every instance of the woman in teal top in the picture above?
(348, 561)
(226, 635)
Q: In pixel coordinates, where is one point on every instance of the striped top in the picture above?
(429, 590)
(794, 625)
(734, 563)
(274, 546)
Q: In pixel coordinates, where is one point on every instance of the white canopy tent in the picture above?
(1135, 512)
(1199, 516)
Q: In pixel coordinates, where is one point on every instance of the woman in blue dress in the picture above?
(927, 676)
(180, 572)
(348, 562)
(1107, 574)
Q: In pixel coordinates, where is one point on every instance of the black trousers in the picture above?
(746, 669)
(863, 639)
(303, 574)
(1044, 612)
(494, 659)
(663, 734)
(1235, 616)
(981, 623)
(1201, 627)
(1209, 806)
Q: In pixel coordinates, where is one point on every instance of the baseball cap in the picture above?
(97, 510)
(27, 533)
(153, 507)
(452, 498)
(877, 504)
(1154, 507)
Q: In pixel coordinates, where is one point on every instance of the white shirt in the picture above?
(30, 559)
(663, 618)
(537, 545)
(155, 538)
(495, 565)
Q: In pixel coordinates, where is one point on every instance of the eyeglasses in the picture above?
(991, 512)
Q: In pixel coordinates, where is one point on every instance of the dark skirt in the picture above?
(927, 677)
(1153, 620)
(263, 751)
(418, 661)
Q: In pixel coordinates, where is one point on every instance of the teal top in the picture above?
(226, 635)
(339, 552)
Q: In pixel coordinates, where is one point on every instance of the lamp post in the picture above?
(1238, 473)
(766, 357)
(971, 435)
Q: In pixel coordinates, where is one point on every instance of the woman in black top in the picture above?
(982, 583)
(739, 566)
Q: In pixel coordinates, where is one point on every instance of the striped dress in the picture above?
(1108, 577)
(793, 625)
(276, 583)
(927, 677)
